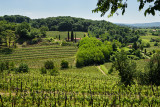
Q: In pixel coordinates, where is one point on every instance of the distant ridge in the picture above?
(141, 25)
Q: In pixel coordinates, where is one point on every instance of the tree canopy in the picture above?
(104, 6)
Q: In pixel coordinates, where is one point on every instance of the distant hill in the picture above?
(141, 25)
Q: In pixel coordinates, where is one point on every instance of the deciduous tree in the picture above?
(104, 6)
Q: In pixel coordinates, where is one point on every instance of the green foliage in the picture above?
(125, 67)
(156, 44)
(23, 30)
(49, 64)
(135, 46)
(2, 66)
(152, 72)
(148, 45)
(43, 70)
(64, 64)
(110, 70)
(54, 72)
(6, 50)
(22, 68)
(138, 53)
(92, 51)
(108, 31)
(104, 6)
(43, 30)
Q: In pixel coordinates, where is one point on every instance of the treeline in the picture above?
(99, 29)
(11, 33)
(15, 18)
(109, 31)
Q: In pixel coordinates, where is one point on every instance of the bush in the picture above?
(23, 68)
(64, 64)
(156, 44)
(2, 66)
(49, 65)
(54, 72)
(43, 70)
(148, 45)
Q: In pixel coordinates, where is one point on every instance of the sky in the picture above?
(75, 8)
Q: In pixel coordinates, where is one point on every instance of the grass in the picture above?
(146, 39)
(64, 34)
(103, 68)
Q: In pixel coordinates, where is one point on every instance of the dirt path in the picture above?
(101, 70)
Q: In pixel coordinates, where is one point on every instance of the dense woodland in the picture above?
(35, 28)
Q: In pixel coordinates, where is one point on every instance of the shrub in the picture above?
(49, 64)
(2, 66)
(148, 45)
(23, 68)
(156, 44)
(6, 65)
(53, 72)
(43, 70)
(110, 70)
(64, 64)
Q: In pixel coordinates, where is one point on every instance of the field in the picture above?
(72, 87)
(147, 38)
(35, 56)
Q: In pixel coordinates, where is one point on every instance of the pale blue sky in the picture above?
(74, 8)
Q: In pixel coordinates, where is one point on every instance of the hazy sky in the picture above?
(74, 8)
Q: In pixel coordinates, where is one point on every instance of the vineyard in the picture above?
(73, 87)
(36, 55)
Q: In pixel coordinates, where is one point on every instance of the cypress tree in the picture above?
(68, 35)
(72, 36)
(59, 37)
(135, 46)
(75, 38)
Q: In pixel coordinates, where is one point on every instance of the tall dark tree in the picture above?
(75, 38)
(72, 36)
(59, 37)
(68, 35)
(134, 46)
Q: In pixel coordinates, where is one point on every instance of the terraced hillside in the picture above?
(37, 54)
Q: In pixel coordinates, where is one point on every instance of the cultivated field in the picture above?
(72, 87)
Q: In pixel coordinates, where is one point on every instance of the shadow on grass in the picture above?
(6, 51)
